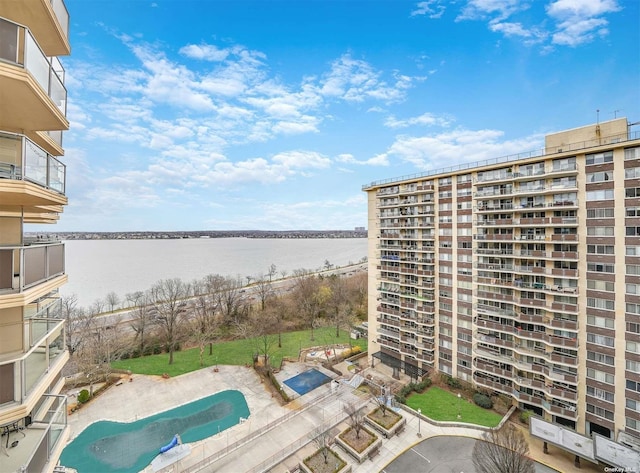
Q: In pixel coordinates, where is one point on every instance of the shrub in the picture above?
(422, 385)
(483, 400)
(451, 381)
(83, 396)
(525, 415)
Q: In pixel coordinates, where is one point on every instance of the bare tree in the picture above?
(272, 272)
(168, 298)
(263, 289)
(356, 417)
(310, 295)
(142, 321)
(502, 451)
(204, 325)
(339, 301)
(230, 299)
(112, 300)
(322, 439)
(77, 322)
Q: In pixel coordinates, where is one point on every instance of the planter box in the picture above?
(393, 430)
(361, 456)
(345, 469)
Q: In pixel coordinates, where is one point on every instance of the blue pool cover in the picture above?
(307, 381)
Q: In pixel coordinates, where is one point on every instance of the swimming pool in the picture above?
(307, 381)
(118, 447)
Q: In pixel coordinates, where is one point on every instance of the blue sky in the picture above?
(206, 114)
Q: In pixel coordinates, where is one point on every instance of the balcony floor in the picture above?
(11, 459)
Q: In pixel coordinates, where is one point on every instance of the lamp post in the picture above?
(419, 414)
(459, 397)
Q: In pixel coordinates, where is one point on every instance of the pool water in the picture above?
(307, 381)
(118, 447)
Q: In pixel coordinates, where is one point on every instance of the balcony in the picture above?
(37, 442)
(28, 164)
(31, 84)
(22, 374)
(47, 19)
(22, 268)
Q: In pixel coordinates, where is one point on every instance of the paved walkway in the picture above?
(286, 443)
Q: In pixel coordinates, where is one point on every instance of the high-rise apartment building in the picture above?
(520, 275)
(33, 101)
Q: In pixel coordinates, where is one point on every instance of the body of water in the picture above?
(97, 267)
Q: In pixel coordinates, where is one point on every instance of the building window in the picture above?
(633, 347)
(465, 337)
(602, 304)
(445, 219)
(632, 231)
(632, 423)
(463, 178)
(599, 411)
(599, 158)
(464, 192)
(632, 308)
(633, 386)
(632, 173)
(444, 181)
(600, 249)
(601, 194)
(632, 192)
(632, 289)
(601, 340)
(600, 358)
(600, 376)
(465, 205)
(633, 327)
(596, 321)
(465, 231)
(444, 194)
(600, 213)
(633, 366)
(632, 250)
(600, 394)
(632, 153)
(600, 231)
(600, 176)
(598, 285)
(633, 405)
(601, 268)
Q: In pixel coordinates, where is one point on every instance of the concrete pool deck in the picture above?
(275, 450)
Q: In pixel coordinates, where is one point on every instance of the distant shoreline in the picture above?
(177, 235)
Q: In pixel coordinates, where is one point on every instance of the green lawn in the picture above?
(441, 405)
(236, 352)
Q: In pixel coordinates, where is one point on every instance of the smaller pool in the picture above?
(307, 381)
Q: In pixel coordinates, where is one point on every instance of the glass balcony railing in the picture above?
(22, 159)
(19, 47)
(28, 369)
(62, 15)
(26, 266)
(37, 441)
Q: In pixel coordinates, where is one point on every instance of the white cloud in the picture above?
(356, 80)
(207, 52)
(426, 119)
(576, 21)
(580, 21)
(431, 8)
(458, 146)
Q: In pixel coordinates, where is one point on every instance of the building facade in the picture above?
(520, 275)
(33, 424)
